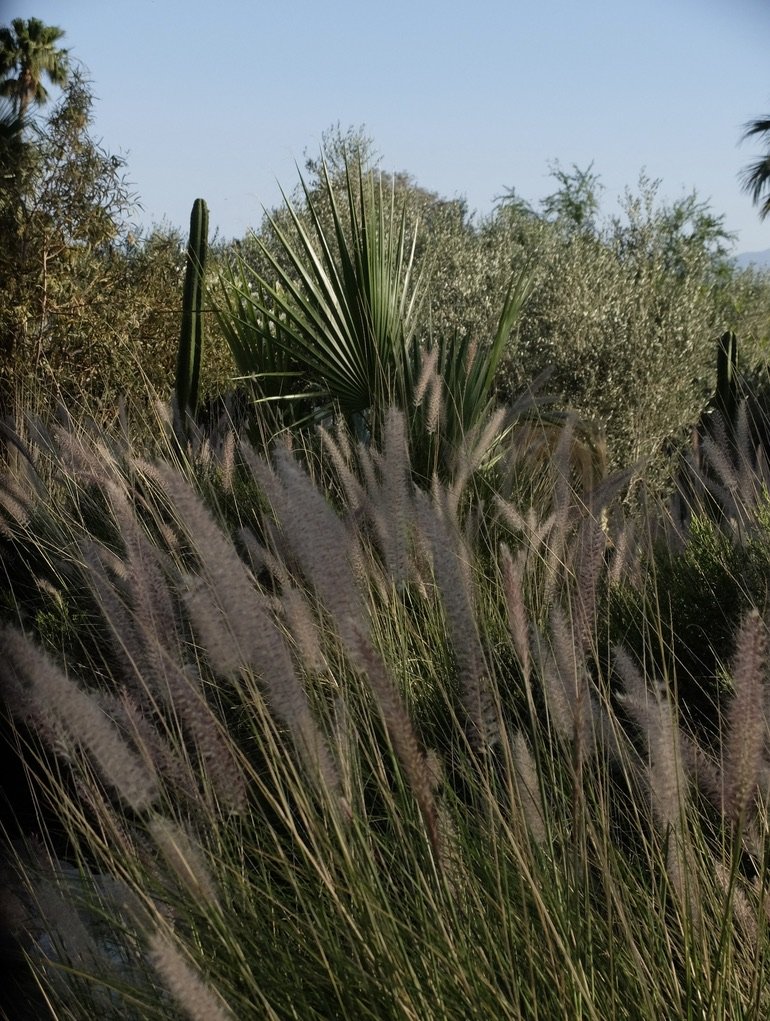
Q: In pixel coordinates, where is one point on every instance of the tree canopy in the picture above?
(28, 51)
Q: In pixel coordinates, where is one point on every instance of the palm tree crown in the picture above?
(756, 176)
(27, 52)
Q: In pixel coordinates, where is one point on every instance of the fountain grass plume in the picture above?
(518, 622)
(185, 858)
(300, 904)
(590, 546)
(438, 525)
(341, 457)
(527, 783)
(566, 681)
(746, 725)
(184, 981)
(652, 711)
(51, 691)
(395, 497)
(403, 736)
(303, 628)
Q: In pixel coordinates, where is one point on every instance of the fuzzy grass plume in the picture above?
(314, 742)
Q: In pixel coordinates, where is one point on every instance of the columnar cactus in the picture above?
(188, 365)
(726, 396)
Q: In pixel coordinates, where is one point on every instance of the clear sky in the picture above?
(218, 98)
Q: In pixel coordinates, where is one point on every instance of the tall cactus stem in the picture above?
(188, 365)
(726, 397)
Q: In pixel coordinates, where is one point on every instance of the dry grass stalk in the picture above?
(561, 509)
(534, 530)
(431, 384)
(151, 594)
(146, 737)
(742, 910)
(225, 573)
(153, 614)
(683, 874)
(214, 629)
(435, 411)
(451, 863)
(665, 779)
(81, 461)
(221, 763)
(717, 452)
(227, 460)
(319, 540)
(261, 646)
(365, 456)
(260, 558)
(624, 563)
(16, 504)
(474, 448)
(149, 634)
(383, 501)
(428, 371)
(344, 744)
(112, 600)
(726, 489)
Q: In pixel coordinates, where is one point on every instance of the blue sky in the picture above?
(219, 99)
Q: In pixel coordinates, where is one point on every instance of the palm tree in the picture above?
(27, 52)
(756, 176)
(11, 144)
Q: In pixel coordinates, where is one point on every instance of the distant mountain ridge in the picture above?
(758, 260)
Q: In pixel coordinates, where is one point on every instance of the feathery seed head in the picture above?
(185, 859)
(528, 788)
(51, 690)
(746, 722)
(185, 982)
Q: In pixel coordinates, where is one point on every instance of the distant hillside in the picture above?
(759, 260)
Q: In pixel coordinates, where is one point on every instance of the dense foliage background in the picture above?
(624, 311)
(420, 669)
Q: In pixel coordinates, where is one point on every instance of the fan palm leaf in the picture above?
(332, 319)
(343, 306)
(756, 176)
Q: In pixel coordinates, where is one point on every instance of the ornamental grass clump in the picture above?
(307, 740)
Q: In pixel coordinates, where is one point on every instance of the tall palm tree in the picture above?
(27, 52)
(756, 176)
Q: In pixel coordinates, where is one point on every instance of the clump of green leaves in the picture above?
(627, 315)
